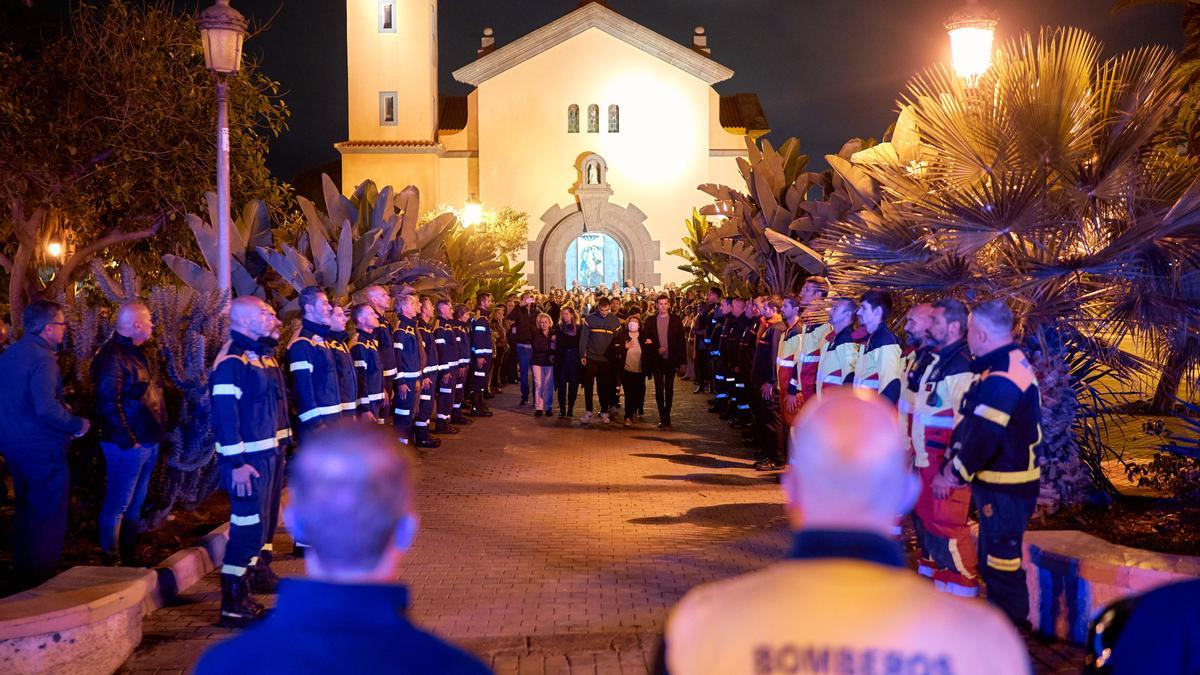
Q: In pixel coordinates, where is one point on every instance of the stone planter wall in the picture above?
(88, 620)
(1072, 576)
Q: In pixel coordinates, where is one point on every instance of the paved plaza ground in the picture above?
(547, 547)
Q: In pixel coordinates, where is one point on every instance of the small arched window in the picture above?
(573, 119)
(614, 119)
(593, 119)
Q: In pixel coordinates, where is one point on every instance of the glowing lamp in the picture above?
(222, 30)
(55, 249)
(972, 29)
(472, 213)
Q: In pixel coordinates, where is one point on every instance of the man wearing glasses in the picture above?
(36, 427)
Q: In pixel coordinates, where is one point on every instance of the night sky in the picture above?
(825, 70)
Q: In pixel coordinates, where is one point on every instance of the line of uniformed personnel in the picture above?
(965, 392)
(418, 372)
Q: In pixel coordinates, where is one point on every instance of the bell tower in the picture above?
(391, 59)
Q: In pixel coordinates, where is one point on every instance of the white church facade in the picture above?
(597, 127)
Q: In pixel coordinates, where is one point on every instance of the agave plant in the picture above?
(1055, 184)
(764, 232)
(369, 238)
(248, 232)
(469, 256)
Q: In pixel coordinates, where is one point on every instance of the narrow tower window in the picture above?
(593, 119)
(387, 16)
(614, 119)
(572, 119)
(387, 108)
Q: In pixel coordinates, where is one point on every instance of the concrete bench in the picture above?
(88, 620)
(1072, 576)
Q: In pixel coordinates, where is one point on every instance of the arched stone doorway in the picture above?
(593, 214)
(563, 226)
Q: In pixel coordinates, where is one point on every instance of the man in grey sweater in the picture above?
(594, 339)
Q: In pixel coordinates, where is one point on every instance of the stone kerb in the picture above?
(1072, 576)
(88, 620)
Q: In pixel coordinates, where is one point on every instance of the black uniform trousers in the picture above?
(460, 386)
(703, 367)
(720, 384)
(599, 376)
(403, 408)
(444, 384)
(273, 499)
(247, 519)
(767, 424)
(1003, 517)
(425, 403)
(479, 374)
(664, 392)
(41, 482)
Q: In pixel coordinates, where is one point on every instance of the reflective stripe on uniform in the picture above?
(811, 358)
(439, 341)
(320, 412)
(243, 521)
(833, 379)
(353, 405)
(390, 372)
(227, 390)
(233, 569)
(426, 397)
(785, 363)
(408, 375)
(987, 412)
(481, 351)
(300, 365)
(230, 450)
(402, 411)
(1004, 564)
(938, 421)
(360, 364)
(1010, 477)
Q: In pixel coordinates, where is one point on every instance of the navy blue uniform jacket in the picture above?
(319, 627)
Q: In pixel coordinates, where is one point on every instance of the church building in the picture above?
(598, 128)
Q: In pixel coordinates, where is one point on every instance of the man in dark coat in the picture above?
(131, 419)
(665, 350)
(36, 427)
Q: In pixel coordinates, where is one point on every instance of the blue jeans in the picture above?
(125, 483)
(524, 360)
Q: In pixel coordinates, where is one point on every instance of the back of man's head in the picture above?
(848, 468)
(351, 498)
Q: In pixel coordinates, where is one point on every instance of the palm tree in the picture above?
(1059, 184)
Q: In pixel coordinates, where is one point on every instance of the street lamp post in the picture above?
(472, 213)
(222, 31)
(972, 29)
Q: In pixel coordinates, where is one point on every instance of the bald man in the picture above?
(245, 408)
(843, 600)
(352, 496)
(131, 415)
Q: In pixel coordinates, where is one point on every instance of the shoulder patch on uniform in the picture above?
(298, 338)
(226, 357)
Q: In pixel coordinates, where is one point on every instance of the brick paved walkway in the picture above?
(546, 547)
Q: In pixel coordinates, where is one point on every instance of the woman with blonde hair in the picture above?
(542, 364)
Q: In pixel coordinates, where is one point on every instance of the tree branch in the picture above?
(63, 276)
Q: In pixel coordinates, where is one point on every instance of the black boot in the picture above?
(237, 610)
(262, 578)
(459, 419)
(443, 427)
(479, 408)
(425, 440)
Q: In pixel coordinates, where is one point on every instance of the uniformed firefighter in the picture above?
(996, 448)
(462, 336)
(704, 320)
(878, 368)
(430, 366)
(764, 389)
(839, 354)
(914, 360)
(381, 301)
(942, 531)
(482, 348)
(814, 316)
(407, 346)
(339, 346)
(368, 362)
(786, 385)
(245, 418)
(262, 578)
(745, 336)
(446, 339)
(312, 366)
(844, 601)
(721, 317)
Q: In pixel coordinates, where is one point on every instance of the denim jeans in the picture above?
(524, 360)
(126, 478)
(543, 388)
